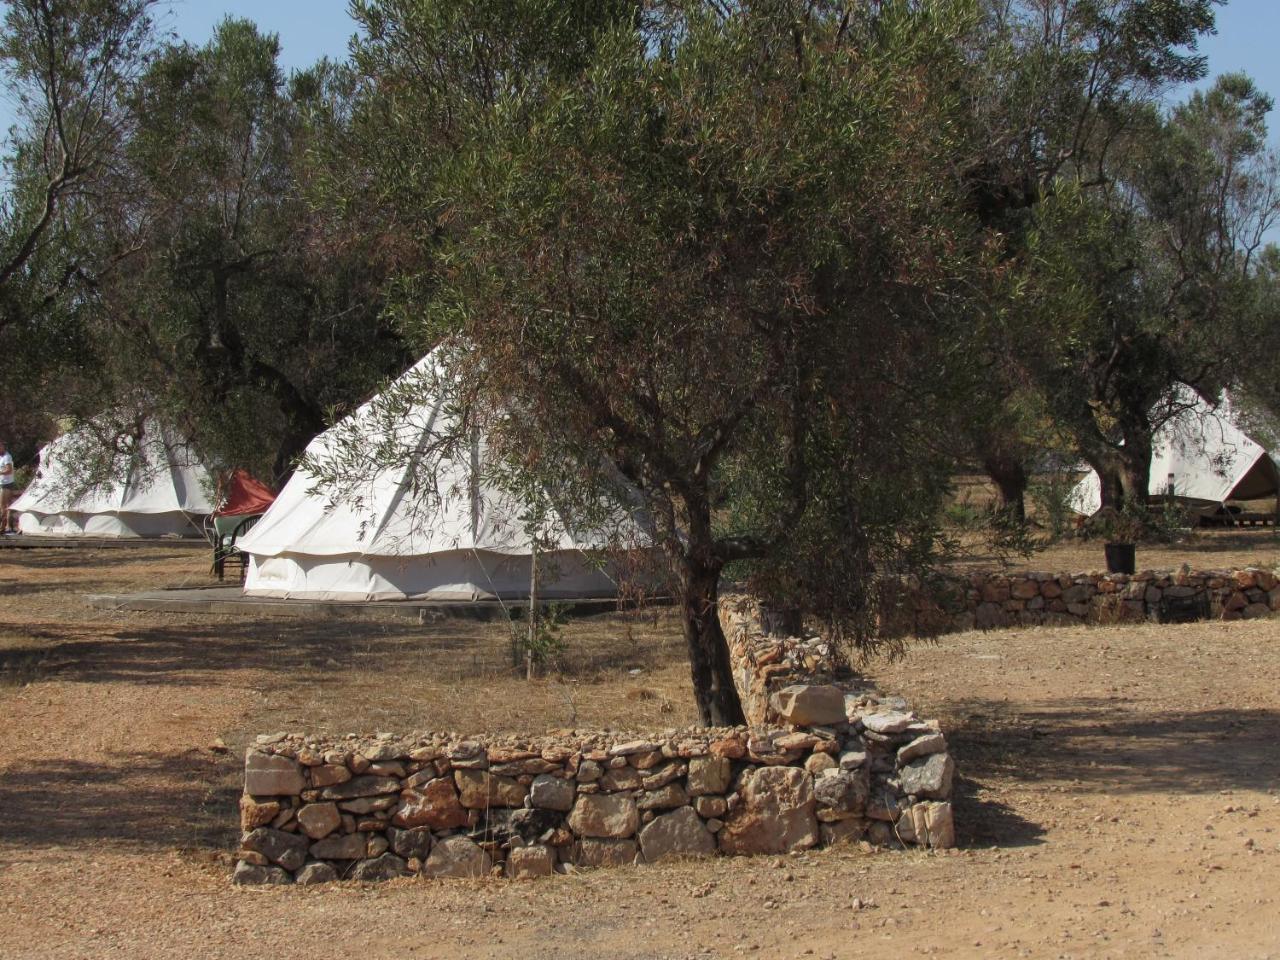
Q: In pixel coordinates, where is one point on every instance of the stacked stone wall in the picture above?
(844, 769)
(988, 601)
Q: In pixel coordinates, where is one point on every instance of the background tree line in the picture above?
(776, 267)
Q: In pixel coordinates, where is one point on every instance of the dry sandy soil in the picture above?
(1119, 792)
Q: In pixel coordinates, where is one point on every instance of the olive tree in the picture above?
(707, 255)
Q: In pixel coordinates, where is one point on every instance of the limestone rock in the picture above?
(709, 807)
(809, 704)
(621, 778)
(662, 776)
(480, 789)
(247, 874)
(632, 746)
(386, 867)
(708, 775)
(929, 825)
(680, 833)
(843, 831)
(552, 793)
(531, 823)
(929, 778)
(457, 857)
(1024, 589)
(414, 842)
(370, 786)
(363, 805)
(888, 723)
(922, 747)
(254, 814)
(843, 791)
(434, 805)
(672, 795)
(733, 747)
(815, 763)
(318, 820)
(286, 849)
(589, 771)
(316, 873)
(266, 775)
(330, 774)
(525, 863)
(852, 759)
(776, 813)
(604, 815)
(343, 846)
(378, 845)
(591, 852)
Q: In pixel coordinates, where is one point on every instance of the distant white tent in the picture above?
(430, 528)
(156, 489)
(1201, 457)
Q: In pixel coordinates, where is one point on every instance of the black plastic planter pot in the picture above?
(1121, 557)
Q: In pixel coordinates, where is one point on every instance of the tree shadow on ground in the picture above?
(56, 559)
(984, 821)
(152, 800)
(1102, 745)
(320, 651)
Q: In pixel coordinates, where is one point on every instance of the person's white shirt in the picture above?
(6, 468)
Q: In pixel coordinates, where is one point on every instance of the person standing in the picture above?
(6, 486)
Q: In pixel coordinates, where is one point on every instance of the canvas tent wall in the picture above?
(433, 527)
(154, 488)
(1203, 457)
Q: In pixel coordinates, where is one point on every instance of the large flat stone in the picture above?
(434, 804)
(345, 846)
(594, 852)
(368, 786)
(680, 833)
(929, 778)
(809, 704)
(708, 775)
(318, 820)
(552, 793)
(266, 775)
(480, 789)
(457, 857)
(776, 813)
(385, 867)
(604, 816)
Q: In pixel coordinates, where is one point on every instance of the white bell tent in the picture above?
(431, 527)
(1201, 457)
(154, 487)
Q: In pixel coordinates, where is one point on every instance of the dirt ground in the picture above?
(1119, 792)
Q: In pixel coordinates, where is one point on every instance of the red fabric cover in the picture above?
(244, 496)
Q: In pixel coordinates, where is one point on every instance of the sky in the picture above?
(1248, 31)
(308, 29)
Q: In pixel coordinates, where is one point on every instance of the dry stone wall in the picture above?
(847, 768)
(987, 601)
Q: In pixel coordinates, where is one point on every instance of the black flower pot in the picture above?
(1121, 557)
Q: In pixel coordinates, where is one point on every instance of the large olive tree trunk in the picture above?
(709, 662)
